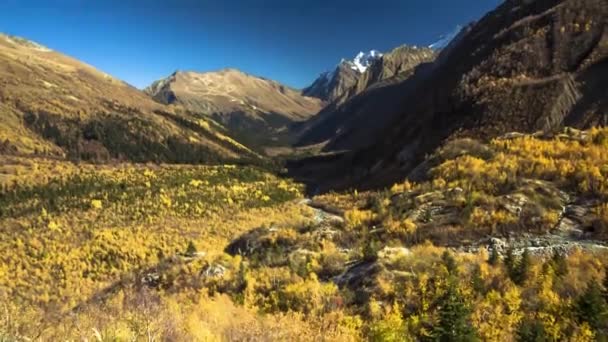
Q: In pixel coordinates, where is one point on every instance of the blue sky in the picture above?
(289, 41)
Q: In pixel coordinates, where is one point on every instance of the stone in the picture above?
(391, 252)
(213, 271)
(151, 279)
(497, 244)
(429, 197)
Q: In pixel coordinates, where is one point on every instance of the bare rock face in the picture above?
(332, 85)
(248, 243)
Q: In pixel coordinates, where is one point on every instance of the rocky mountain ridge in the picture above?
(386, 72)
(255, 109)
(331, 85)
(54, 105)
(523, 67)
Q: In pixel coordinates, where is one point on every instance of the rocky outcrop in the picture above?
(332, 85)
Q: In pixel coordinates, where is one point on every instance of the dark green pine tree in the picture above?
(591, 307)
(559, 264)
(477, 281)
(450, 263)
(532, 331)
(522, 268)
(191, 249)
(454, 317)
(606, 284)
(494, 258)
(510, 263)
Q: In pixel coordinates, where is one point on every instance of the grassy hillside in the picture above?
(488, 243)
(53, 105)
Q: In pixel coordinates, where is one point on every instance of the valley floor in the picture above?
(500, 241)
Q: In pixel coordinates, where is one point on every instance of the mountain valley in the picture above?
(454, 192)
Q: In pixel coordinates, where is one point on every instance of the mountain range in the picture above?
(330, 85)
(526, 66)
(452, 192)
(331, 123)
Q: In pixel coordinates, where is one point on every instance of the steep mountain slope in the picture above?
(446, 39)
(333, 85)
(398, 61)
(52, 104)
(526, 66)
(379, 89)
(257, 110)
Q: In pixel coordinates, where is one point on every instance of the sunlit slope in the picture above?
(512, 230)
(257, 110)
(52, 104)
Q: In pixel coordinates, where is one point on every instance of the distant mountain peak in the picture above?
(254, 108)
(446, 39)
(363, 60)
(330, 84)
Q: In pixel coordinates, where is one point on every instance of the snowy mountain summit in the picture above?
(363, 60)
(331, 84)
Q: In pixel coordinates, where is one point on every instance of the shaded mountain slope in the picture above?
(334, 85)
(256, 110)
(331, 85)
(55, 105)
(368, 104)
(399, 61)
(526, 66)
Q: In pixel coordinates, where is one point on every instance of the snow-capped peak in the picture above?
(363, 60)
(446, 39)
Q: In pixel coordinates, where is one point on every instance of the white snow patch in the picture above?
(446, 39)
(363, 60)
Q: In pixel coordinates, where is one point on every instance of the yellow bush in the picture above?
(96, 204)
(409, 226)
(356, 217)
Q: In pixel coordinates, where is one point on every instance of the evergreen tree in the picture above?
(510, 262)
(559, 264)
(494, 258)
(522, 268)
(532, 331)
(477, 281)
(606, 284)
(191, 249)
(450, 263)
(454, 324)
(370, 249)
(591, 307)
